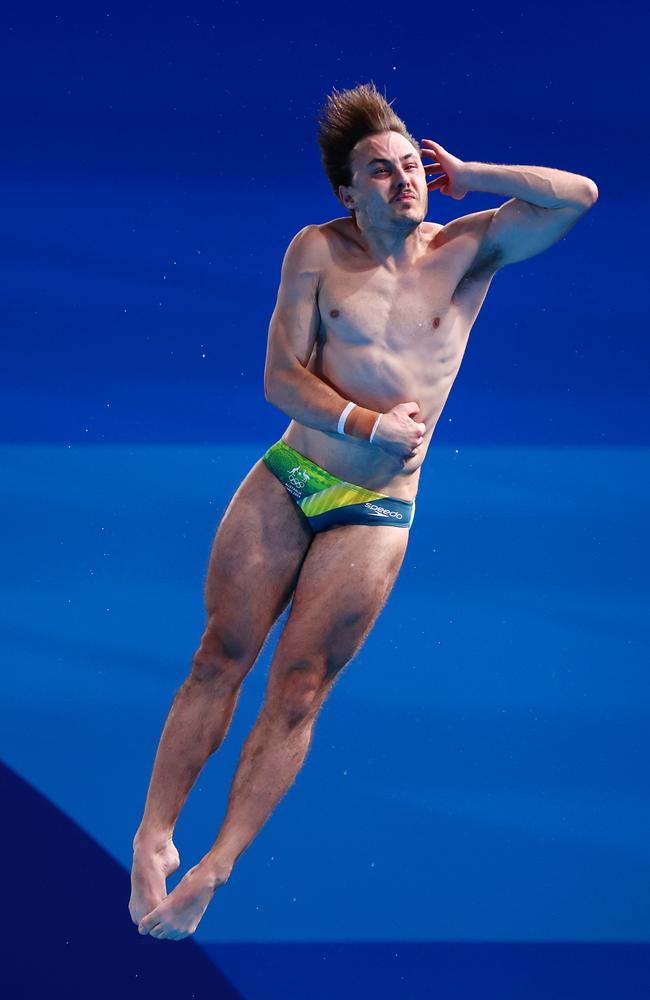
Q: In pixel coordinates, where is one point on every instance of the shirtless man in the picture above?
(371, 323)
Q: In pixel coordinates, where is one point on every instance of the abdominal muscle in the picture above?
(355, 460)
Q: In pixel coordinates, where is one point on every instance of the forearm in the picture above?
(311, 401)
(544, 186)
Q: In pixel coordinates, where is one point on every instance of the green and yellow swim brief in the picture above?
(326, 500)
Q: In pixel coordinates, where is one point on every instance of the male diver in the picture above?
(373, 315)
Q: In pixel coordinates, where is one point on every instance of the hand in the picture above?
(453, 181)
(398, 434)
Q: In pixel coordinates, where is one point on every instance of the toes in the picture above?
(147, 924)
(173, 934)
(167, 933)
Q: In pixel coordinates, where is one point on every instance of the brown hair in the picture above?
(348, 116)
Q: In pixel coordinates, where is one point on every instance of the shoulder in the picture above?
(308, 239)
(306, 250)
(340, 234)
(318, 244)
(343, 227)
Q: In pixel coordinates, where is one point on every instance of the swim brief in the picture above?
(326, 500)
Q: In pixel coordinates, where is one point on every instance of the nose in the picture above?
(402, 179)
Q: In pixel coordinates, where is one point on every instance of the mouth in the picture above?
(404, 197)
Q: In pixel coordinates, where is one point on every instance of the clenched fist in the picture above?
(398, 433)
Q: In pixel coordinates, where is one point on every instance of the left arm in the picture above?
(544, 202)
(544, 205)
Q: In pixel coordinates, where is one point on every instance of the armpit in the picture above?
(487, 261)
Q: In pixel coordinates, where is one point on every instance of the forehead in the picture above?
(384, 145)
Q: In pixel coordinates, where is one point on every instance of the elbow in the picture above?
(268, 384)
(271, 390)
(586, 195)
(276, 383)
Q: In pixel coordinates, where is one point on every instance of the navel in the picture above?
(435, 322)
(334, 313)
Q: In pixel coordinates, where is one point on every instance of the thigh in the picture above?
(343, 585)
(255, 559)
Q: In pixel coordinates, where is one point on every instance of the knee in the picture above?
(297, 692)
(223, 655)
(211, 667)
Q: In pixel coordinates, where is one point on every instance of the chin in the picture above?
(413, 208)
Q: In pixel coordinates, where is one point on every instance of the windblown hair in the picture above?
(348, 116)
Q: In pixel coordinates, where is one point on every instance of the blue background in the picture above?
(479, 773)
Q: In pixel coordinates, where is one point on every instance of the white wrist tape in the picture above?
(343, 418)
(374, 428)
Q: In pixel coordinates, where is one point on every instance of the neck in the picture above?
(393, 248)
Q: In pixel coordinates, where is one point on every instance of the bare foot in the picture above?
(179, 913)
(152, 864)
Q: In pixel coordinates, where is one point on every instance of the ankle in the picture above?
(151, 839)
(217, 867)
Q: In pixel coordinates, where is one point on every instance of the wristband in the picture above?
(375, 426)
(342, 418)
(359, 422)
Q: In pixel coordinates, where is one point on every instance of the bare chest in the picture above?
(399, 312)
(386, 335)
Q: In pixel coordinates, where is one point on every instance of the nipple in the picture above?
(436, 322)
(334, 313)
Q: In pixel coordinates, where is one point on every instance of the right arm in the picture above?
(288, 384)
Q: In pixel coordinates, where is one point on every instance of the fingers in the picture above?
(413, 453)
(436, 147)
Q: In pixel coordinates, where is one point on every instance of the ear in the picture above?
(346, 197)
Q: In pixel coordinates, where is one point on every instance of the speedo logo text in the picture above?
(383, 512)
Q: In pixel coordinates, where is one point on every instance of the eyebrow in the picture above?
(382, 159)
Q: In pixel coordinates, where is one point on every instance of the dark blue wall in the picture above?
(156, 165)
